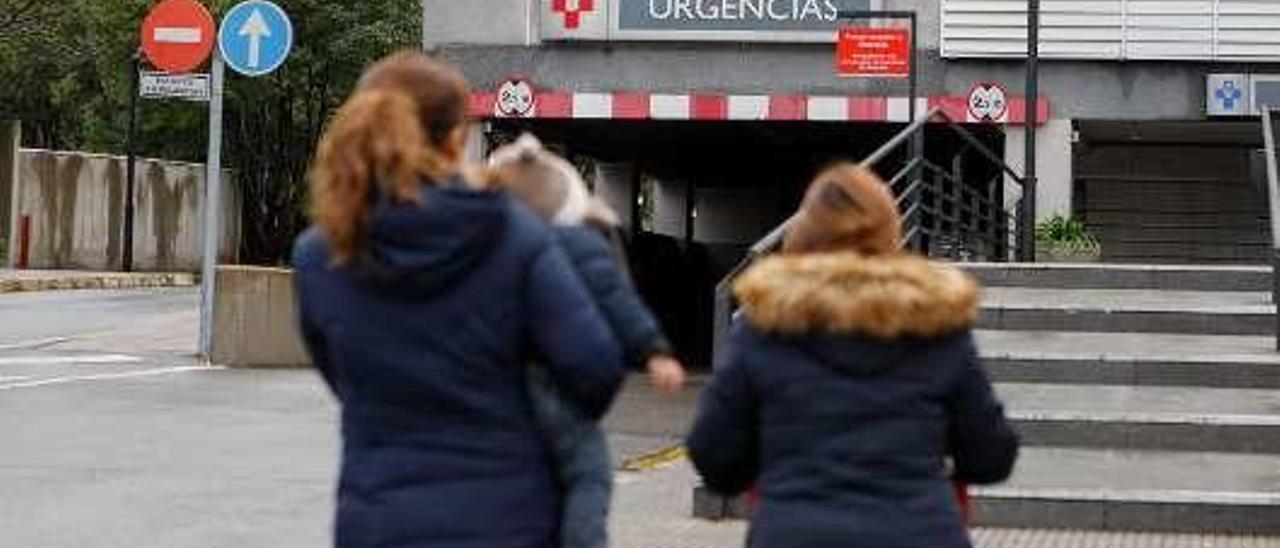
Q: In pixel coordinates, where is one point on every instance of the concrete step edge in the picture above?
(1150, 511)
(990, 537)
(1193, 513)
(1121, 308)
(1123, 276)
(1162, 322)
(1126, 359)
(1138, 419)
(1147, 496)
(1119, 267)
(1128, 372)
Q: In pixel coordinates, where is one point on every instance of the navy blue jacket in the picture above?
(846, 389)
(598, 265)
(425, 340)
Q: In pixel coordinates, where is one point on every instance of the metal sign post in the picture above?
(131, 170)
(212, 201)
(177, 36)
(1027, 209)
(255, 39)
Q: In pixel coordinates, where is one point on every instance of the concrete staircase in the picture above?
(1148, 397)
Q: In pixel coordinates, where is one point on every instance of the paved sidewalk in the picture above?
(651, 509)
(20, 281)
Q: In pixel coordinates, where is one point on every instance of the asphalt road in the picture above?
(114, 436)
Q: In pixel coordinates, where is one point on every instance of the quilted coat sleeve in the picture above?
(632, 322)
(983, 445)
(307, 257)
(724, 443)
(570, 335)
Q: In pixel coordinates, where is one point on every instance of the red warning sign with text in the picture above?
(864, 52)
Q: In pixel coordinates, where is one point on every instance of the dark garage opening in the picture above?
(1174, 192)
(677, 276)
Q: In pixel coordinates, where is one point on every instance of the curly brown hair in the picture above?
(388, 139)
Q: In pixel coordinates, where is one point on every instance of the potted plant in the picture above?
(1061, 239)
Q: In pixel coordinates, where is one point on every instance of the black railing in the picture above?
(947, 213)
(1270, 127)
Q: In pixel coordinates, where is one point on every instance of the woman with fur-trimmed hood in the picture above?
(852, 390)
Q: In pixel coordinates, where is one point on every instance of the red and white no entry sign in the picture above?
(178, 35)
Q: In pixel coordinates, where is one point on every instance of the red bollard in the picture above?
(24, 242)
(753, 498)
(963, 501)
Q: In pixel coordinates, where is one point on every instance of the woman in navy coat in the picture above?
(852, 391)
(422, 298)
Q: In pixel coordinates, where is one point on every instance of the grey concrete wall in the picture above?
(477, 22)
(1054, 167)
(487, 38)
(76, 205)
(514, 22)
(1075, 89)
(10, 139)
(255, 319)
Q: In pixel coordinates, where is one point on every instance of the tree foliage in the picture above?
(65, 72)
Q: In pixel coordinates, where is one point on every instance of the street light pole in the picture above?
(1027, 208)
(126, 253)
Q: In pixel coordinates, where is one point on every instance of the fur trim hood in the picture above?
(843, 293)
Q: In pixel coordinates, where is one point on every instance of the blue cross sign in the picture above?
(255, 37)
(1228, 94)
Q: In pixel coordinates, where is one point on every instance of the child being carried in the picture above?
(554, 190)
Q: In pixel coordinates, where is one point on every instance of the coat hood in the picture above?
(425, 248)
(882, 298)
(859, 313)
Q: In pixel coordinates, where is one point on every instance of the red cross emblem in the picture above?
(573, 10)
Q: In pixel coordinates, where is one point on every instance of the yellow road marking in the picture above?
(656, 459)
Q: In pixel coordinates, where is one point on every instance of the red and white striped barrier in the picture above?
(713, 107)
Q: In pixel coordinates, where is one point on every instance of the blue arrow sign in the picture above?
(255, 37)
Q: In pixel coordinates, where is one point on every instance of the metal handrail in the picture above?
(913, 196)
(1270, 118)
(774, 237)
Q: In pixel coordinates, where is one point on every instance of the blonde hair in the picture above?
(545, 182)
(386, 141)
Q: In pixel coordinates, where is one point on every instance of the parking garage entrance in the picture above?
(694, 195)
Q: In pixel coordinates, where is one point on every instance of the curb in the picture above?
(96, 281)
